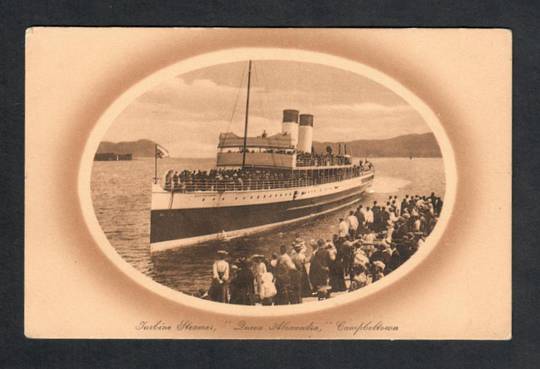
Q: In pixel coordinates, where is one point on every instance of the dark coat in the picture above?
(242, 288)
(319, 268)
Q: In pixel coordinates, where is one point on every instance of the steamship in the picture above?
(260, 183)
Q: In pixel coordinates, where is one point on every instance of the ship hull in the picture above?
(182, 222)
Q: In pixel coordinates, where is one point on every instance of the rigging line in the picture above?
(220, 195)
(244, 147)
(256, 79)
(234, 109)
(262, 82)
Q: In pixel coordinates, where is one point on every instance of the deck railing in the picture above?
(252, 184)
(321, 162)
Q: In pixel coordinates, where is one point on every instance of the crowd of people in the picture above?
(245, 179)
(304, 159)
(267, 151)
(371, 242)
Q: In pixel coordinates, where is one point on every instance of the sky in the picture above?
(187, 113)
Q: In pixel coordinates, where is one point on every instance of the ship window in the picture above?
(203, 199)
(303, 193)
(251, 197)
(213, 199)
(258, 196)
(236, 198)
(243, 198)
(264, 197)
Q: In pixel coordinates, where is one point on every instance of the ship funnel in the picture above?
(305, 133)
(290, 124)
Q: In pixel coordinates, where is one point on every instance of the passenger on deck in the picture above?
(250, 179)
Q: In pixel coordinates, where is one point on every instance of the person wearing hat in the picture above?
(353, 223)
(369, 238)
(343, 228)
(242, 290)
(360, 215)
(360, 258)
(378, 268)
(295, 289)
(220, 278)
(359, 278)
(259, 268)
(405, 247)
(268, 289)
(319, 269)
(233, 280)
(272, 264)
(283, 277)
(404, 203)
(395, 261)
(369, 218)
(336, 272)
(376, 209)
(438, 206)
(389, 233)
(347, 255)
(300, 260)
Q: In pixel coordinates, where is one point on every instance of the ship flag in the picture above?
(161, 152)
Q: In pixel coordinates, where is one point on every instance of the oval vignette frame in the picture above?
(238, 55)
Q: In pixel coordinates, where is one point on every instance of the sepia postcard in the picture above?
(199, 183)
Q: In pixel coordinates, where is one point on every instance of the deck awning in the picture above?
(277, 141)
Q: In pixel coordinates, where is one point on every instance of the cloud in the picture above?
(368, 108)
(187, 113)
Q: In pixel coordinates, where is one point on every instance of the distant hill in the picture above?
(418, 145)
(140, 148)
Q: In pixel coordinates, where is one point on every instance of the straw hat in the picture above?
(298, 244)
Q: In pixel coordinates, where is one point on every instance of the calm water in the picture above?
(121, 194)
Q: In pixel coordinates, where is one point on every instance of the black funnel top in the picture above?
(290, 115)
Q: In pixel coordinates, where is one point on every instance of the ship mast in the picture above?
(247, 114)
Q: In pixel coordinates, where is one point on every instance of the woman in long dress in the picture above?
(259, 268)
(300, 260)
(219, 289)
(337, 273)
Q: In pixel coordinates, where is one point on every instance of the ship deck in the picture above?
(180, 219)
